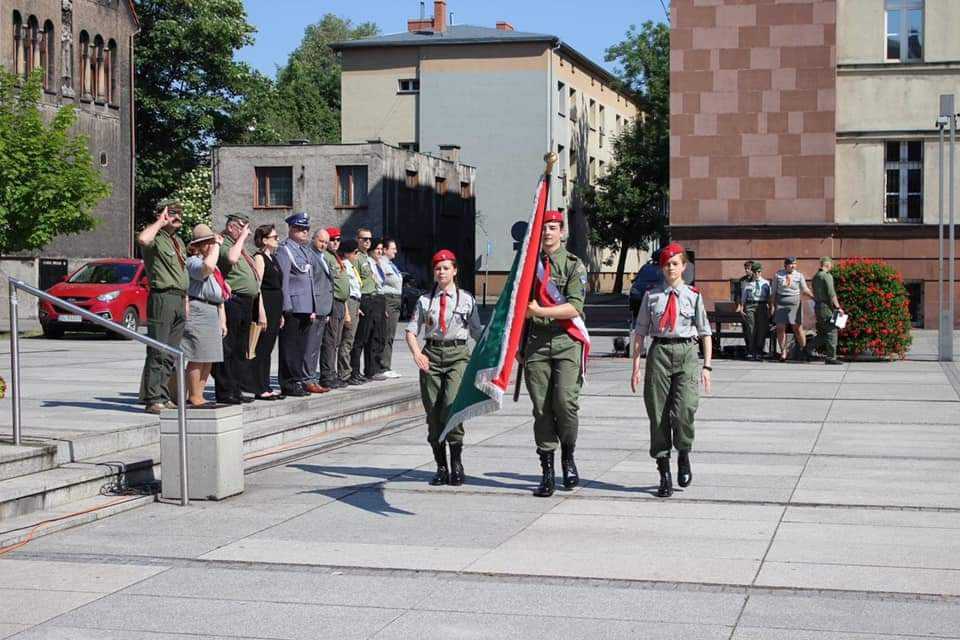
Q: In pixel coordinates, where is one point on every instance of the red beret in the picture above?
(672, 249)
(333, 232)
(553, 216)
(442, 255)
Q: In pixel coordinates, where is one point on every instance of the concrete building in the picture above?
(85, 49)
(505, 97)
(424, 202)
(808, 128)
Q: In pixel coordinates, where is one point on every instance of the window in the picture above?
(619, 125)
(592, 117)
(915, 297)
(562, 98)
(85, 66)
(602, 124)
(412, 180)
(905, 30)
(48, 57)
(31, 46)
(592, 170)
(408, 85)
(440, 196)
(111, 74)
(17, 43)
(466, 199)
(352, 186)
(274, 187)
(99, 84)
(903, 163)
(602, 169)
(573, 105)
(409, 146)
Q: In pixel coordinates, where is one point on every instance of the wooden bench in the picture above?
(725, 313)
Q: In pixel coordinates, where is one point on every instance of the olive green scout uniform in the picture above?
(553, 361)
(165, 262)
(754, 298)
(823, 294)
(447, 352)
(671, 383)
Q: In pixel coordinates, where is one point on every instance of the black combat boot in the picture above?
(684, 474)
(440, 455)
(571, 477)
(666, 481)
(456, 466)
(548, 483)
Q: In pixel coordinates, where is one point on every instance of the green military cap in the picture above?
(826, 260)
(168, 202)
(242, 217)
(756, 267)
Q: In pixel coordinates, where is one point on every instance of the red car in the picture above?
(115, 289)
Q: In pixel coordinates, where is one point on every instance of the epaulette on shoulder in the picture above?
(693, 288)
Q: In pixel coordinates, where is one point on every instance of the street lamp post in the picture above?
(946, 304)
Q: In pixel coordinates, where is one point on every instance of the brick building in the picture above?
(807, 128)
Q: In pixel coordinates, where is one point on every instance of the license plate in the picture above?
(68, 318)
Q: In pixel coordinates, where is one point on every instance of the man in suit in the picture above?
(323, 297)
(299, 305)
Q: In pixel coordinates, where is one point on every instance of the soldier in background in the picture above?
(826, 306)
(752, 305)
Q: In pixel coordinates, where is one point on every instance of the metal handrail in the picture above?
(15, 285)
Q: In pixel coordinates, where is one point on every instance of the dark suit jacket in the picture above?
(322, 282)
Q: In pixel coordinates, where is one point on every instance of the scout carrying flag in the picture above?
(488, 373)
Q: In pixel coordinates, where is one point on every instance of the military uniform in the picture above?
(165, 264)
(244, 287)
(344, 360)
(755, 300)
(334, 330)
(823, 295)
(368, 340)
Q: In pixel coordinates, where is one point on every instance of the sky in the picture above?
(590, 27)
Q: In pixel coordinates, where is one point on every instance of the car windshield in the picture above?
(104, 273)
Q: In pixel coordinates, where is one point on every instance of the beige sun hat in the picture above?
(202, 233)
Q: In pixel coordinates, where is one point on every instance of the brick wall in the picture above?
(753, 91)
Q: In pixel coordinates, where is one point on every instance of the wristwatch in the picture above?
(708, 368)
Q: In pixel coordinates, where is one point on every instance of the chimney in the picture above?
(450, 152)
(440, 16)
(505, 26)
(420, 26)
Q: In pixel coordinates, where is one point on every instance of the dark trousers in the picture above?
(331, 343)
(311, 352)
(229, 375)
(293, 344)
(166, 318)
(392, 307)
(259, 368)
(369, 340)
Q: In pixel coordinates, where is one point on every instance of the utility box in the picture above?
(214, 453)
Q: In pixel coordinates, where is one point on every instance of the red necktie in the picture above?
(669, 319)
(443, 312)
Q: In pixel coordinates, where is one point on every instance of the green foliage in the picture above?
(304, 102)
(48, 183)
(190, 91)
(872, 293)
(627, 206)
(197, 199)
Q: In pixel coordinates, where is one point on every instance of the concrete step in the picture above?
(274, 424)
(20, 461)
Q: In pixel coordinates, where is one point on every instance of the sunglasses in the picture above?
(271, 236)
(366, 239)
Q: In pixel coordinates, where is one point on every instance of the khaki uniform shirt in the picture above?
(462, 317)
(755, 291)
(780, 289)
(570, 275)
(367, 284)
(240, 276)
(166, 262)
(691, 313)
(341, 279)
(823, 289)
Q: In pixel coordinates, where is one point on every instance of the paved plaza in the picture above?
(825, 505)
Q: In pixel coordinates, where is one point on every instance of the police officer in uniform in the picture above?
(553, 360)
(674, 315)
(754, 299)
(825, 305)
(299, 308)
(447, 316)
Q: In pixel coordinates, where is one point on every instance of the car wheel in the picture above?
(131, 320)
(52, 332)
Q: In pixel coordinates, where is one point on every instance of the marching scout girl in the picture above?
(674, 316)
(447, 316)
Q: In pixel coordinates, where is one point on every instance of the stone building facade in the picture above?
(85, 51)
(423, 202)
(807, 128)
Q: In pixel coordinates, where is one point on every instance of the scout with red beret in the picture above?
(553, 359)
(447, 316)
(675, 316)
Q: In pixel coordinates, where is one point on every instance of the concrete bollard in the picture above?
(214, 453)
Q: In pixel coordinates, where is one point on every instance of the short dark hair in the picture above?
(387, 241)
(262, 232)
(346, 246)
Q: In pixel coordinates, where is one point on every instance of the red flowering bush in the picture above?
(873, 295)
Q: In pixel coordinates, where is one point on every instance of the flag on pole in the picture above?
(488, 373)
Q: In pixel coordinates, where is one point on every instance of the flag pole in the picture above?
(551, 159)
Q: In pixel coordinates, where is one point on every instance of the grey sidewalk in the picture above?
(825, 505)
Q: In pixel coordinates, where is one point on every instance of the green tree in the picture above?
(48, 182)
(628, 205)
(304, 102)
(190, 91)
(197, 199)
